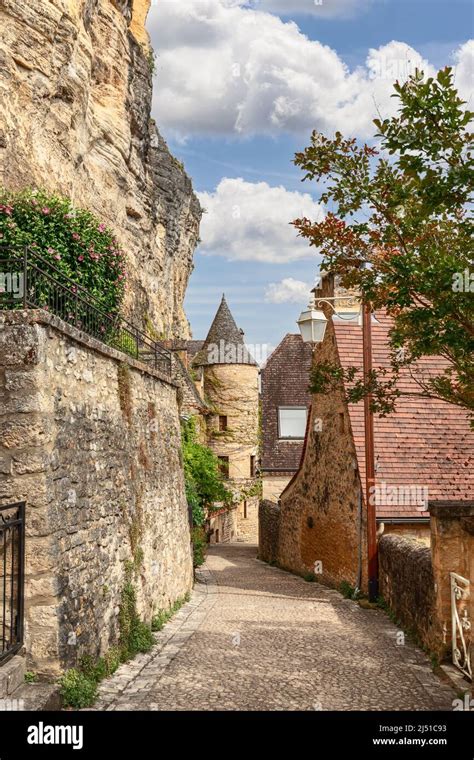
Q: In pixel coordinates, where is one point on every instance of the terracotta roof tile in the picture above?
(425, 442)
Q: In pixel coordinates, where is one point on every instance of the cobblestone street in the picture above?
(256, 638)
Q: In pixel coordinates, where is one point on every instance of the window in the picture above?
(292, 422)
(222, 422)
(245, 510)
(224, 466)
(252, 466)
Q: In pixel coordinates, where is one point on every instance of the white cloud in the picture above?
(464, 71)
(252, 222)
(225, 69)
(288, 290)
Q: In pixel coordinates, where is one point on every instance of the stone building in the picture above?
(285, 401)
(424, 450)
(226, 376)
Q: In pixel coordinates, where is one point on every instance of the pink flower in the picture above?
(50, 250)
(80, 258)
(74, 289)
(102, 227)
(57, 257)
(45, 210)
(34, 202)
(75, 236)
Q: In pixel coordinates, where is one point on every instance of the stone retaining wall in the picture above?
(407, 584)
(91, 440)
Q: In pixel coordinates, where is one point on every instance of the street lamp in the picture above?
(312, 324)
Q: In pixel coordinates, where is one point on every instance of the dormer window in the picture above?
(292, 422)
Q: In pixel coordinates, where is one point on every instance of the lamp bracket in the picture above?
(340, 300)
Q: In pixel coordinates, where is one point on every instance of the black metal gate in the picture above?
(12, 563)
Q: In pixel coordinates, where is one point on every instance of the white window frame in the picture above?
(288, 409)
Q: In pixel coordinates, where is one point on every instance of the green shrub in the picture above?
(162, 616)
(77, 690)
(123, 341)
(135, 636)
(199, 540)
(348, 591)
(30, 677)
(309, 577)
(73, 240)
(204, 482)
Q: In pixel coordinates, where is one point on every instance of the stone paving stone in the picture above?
(254, 637)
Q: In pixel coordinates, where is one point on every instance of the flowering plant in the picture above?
(73, 240)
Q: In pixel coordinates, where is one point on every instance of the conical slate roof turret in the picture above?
(225, 341)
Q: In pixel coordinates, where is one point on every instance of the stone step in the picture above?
(36, 697)
(12, 675)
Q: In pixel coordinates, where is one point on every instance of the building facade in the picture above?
(226, 376)
(285, 403)
(423, 451)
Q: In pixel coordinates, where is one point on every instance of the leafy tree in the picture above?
(399, 229)
(204, 483)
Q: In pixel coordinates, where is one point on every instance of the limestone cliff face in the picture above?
(75, 93)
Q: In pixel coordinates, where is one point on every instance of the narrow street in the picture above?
(256, 638)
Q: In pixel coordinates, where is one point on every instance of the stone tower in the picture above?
(229, 384)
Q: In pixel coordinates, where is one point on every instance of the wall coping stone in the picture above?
(42, 317)
(451, 509)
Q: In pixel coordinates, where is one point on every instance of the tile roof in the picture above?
(425, 444)
(225, 341)
(285, 380)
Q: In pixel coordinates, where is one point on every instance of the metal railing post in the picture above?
(25, 277)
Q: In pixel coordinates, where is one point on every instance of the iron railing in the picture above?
(12, 565)
(27, 280)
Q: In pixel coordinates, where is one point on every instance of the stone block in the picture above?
(12, 675)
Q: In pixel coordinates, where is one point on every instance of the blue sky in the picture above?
(240, 84)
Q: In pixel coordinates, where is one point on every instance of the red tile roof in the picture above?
(425, 443)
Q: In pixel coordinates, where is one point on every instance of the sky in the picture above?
(240, 85)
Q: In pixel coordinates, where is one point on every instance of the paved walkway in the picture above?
(257, 638)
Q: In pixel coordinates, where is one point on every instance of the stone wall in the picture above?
(91, 440)
(247, 520)
(269, 530)
(407, 584)
(452, 542)
(76, 94)
(321, 516)
(223, 526)
(273, 485)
